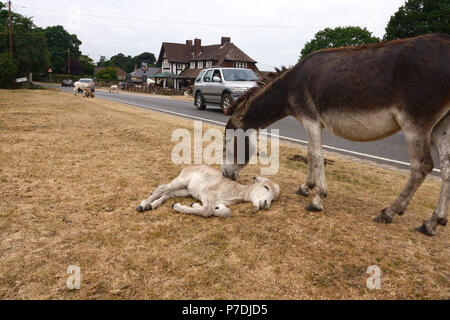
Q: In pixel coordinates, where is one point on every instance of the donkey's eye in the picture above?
(266, 187)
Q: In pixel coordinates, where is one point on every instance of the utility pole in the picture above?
(68, 61)
(10, 30)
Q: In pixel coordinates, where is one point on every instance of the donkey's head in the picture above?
(255, 109)
(238, 148)
(263, 192)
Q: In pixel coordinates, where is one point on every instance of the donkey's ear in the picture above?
(231, 109)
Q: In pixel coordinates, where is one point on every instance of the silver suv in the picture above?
(221, 86)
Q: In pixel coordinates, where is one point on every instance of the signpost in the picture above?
(50, 74)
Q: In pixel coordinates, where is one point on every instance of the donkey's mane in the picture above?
(262, 85)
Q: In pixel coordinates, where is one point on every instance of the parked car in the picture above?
(67, 83)
(88, 81)
(121, 85)
(221, 86)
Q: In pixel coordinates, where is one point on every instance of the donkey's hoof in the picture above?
(148, 206)
(426, 228)
(312, 207)
(442, 221)
(383, 217)
(139, 208)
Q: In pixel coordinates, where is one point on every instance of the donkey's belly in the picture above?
(361, 126)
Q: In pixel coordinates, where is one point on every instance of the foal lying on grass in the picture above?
(215, 191)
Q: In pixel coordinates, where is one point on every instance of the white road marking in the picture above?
(278, 136)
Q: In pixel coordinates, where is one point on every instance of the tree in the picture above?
(338, 37)
(8, 70)
(101, 62)
(87, 65)
(145, 57)
(58, 42)
(29, 43)
(418, 17)
(107, 74)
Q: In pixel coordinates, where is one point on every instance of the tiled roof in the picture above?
(190, 73)
(150, 72)
(180, 52)
(218, 52)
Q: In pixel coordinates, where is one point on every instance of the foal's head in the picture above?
(263, 192)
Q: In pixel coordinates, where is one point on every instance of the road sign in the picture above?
(50, 70)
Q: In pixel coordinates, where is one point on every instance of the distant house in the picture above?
(121, 75)
(136, 75)
(188, 59)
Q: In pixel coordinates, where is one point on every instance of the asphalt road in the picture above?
(391, 151)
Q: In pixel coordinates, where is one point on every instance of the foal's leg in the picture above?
(158, 202)
(177, 184)
(205, 210)
(220, 210)
(441, 139)
(418, 144)
(316, 171)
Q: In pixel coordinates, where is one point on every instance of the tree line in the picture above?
(414, 18)
(36, 49)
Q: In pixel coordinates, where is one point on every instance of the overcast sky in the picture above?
(270, 31)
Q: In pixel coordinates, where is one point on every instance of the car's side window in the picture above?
(199, 77)
(207, 77)
(217, 74)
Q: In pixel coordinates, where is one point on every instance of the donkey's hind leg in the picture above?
(418, 145)
(441, 139)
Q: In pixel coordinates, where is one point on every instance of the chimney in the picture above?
(225, 40)
(197, 46)
(189, 42)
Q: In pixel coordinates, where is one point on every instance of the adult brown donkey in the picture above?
(361, 93)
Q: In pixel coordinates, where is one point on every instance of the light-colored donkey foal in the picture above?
(215, 192)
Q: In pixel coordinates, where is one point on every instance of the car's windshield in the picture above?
(85, 80)
(239, 75)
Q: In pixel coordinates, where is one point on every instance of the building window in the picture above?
(192, 64)
(240, 64)
(209, 64)
(200, 64)
(166, 64)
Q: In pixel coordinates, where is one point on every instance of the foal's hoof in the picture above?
(302, 192)
(383, 217)
(312, 207)
(139, 208)
(427, 229)
(148, 206)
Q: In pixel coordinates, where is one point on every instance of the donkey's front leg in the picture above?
(206, 210)
(316, 170)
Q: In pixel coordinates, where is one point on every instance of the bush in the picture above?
(8, 71)
(107, 74)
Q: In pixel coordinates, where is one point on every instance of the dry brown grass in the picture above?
(72, 171)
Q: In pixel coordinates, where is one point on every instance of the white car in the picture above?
(88, 81)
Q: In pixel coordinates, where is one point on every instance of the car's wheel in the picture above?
(199, 101)
(226, 102)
